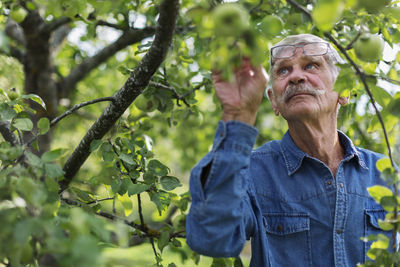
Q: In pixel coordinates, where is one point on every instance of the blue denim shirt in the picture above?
(288, 203)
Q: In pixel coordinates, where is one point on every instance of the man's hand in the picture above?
(240, 99)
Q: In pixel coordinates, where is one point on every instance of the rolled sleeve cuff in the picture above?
(235, 134)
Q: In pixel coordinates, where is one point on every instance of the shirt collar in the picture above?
(293, 156)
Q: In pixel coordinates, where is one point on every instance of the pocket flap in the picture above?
(374, 215)
(284, 224)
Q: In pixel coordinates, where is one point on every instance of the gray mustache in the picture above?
(293, 89)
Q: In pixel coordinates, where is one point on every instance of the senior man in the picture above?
(302, 200)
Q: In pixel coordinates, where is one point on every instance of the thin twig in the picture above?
(111, 25)
(154, 249)
(98, 200)
(384, 78)
(114, 210)
(301, 8)
(140, 210)
(175, 93)
(78, 106)
(350, 45)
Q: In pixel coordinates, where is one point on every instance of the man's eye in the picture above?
(283, 71)
(310, 66)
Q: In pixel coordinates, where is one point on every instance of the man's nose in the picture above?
(297, 76)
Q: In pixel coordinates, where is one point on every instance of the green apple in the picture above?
(369, 47)
(271, 26)
(294, 20)
(18, 14)
(146, 104)
(230, 19)
(372, 6)
(12, 95)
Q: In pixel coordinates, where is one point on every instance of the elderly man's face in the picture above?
(303, 87)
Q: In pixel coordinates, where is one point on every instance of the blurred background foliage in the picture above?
(150, 150)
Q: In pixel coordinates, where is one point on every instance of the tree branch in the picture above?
(301, 8)
(111, 25)
(129, 37)
(135, 84)
(78, 106)
(54, 25)
(14, 31)
(15, 53)
(7, 134)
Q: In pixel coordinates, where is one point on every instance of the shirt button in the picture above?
(341, 185)
(279, 228)
(221, 133)
(329, 182)
(339, 231)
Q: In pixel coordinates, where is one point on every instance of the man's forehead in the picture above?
(302, 57)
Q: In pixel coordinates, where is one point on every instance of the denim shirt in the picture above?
(288, 203)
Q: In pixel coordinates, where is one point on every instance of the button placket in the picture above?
(340, 218)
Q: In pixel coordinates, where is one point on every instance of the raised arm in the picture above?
(222, 215)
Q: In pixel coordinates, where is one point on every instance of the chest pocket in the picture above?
(288, 237)
(372, 216)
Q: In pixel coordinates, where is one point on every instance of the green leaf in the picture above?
(43, 126)
(82, 194)
(53, 170)
(157, 167)
(149, 177)
(94, 145)
(163, 240)
(383, 164)
(6, 112)
(23, 124)
(134, 189)
(386, 226)
(33, 159)
(127, 158)
(51, 183)
(126, 203)
(389, 203)
(170, 183)
(377, 192)
(35, 98)
(23, 230)
(381, 96)
(219, 262)
(30, 6)
(52, 155)
(238, 262)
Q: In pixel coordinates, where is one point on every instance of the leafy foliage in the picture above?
(132, 189)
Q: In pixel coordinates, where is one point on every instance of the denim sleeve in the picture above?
(221, 216)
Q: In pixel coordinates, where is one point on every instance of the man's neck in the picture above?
(319, 139)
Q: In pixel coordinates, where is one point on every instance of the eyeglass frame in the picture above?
(302, 47)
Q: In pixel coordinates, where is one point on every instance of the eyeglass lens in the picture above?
(311, 49)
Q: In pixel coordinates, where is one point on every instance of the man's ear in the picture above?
(271, 97)
(343, 100)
